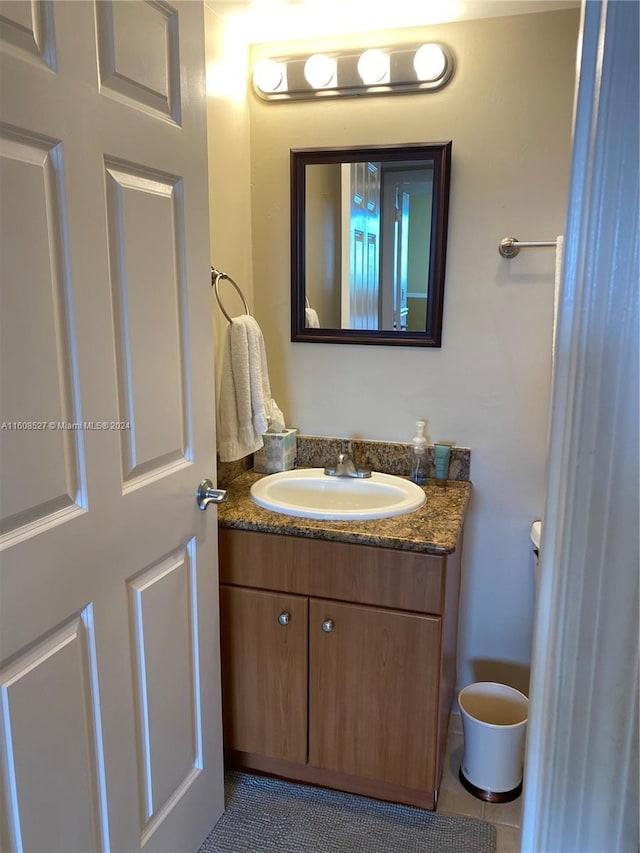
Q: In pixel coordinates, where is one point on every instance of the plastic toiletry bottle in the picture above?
(419, 460)
(442, 454)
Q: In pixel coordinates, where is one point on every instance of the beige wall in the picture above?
(229, 175)
(508, 111)
(323, 242)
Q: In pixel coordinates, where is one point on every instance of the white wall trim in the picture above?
(581, 780)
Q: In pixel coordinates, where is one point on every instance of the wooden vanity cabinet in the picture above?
(372, 702)
(338, 662)
(265, 671)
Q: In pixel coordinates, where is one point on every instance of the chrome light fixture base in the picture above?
(406, 73)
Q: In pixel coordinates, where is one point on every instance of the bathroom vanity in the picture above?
(339, 643)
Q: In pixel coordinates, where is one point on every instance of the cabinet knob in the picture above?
(284, 618)
(327, 626)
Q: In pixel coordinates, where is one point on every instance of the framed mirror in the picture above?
(368, 244)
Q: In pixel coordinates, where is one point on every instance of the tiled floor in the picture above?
(454, 800)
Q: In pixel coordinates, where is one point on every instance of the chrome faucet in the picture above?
(346, 467)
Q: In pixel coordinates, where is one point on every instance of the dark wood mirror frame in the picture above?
(440, 154)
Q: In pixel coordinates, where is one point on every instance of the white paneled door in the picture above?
(110, 732)
(361, 246)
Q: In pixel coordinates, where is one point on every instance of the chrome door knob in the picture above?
(284, 618)
(327, 626)
(206, 495)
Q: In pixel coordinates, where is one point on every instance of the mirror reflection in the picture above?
(368, 244)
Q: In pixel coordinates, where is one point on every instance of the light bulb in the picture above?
(320, 71)
(429, 62)
(373, 67)
(270, 76)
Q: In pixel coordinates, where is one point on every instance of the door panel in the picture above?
(69, 748)
(361, 216)
(112, 734)
(165, 668)
(264, 672)
(35, 370)
(26, 28)
(373, 693)
(143, 74)
(146, 242)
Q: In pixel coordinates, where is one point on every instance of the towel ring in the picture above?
(216, 277)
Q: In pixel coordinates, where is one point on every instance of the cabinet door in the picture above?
(373, 692)
(264, 672)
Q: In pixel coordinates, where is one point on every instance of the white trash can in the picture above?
(494, 721)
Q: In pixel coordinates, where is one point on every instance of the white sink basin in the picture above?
(310, 493)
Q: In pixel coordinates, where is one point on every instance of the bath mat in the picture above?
(264, 815)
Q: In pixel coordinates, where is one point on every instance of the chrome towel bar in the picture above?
(509, 247)
(216, 278)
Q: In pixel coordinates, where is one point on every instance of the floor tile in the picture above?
(453, 799)
(507, 813)
(508, 839)
(455, 723)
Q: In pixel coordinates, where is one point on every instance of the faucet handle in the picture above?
(346, 467)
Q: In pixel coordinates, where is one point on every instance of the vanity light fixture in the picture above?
(376, 71)
(270, 76)
(320, 71)
(373, 67)
(429, 62)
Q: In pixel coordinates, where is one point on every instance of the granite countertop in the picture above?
(432, 529)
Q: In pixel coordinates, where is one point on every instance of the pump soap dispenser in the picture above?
(419, 461)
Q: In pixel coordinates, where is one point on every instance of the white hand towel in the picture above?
(260, 389)
(245, 406)
(311, 318)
